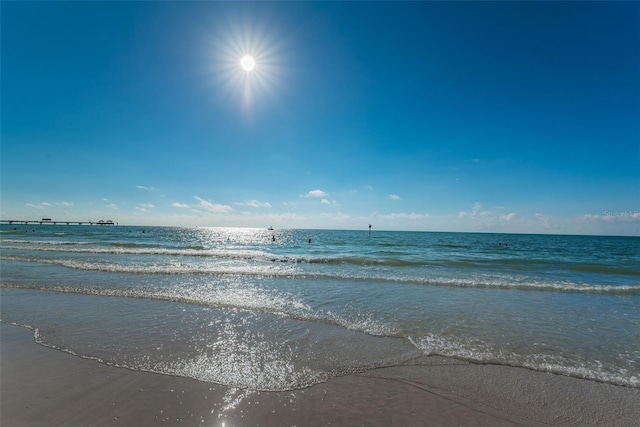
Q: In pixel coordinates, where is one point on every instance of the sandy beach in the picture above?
(47, 387)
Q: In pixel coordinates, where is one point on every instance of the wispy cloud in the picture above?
(614, 216)
(476, 210)
(255, 204)
(112, 206)
(394, 197)
(67, 204)
(142, 187)
(339, 216)
(329, 202)
(316, 193)
(545, 220)
(180, 205)
(146, 205)
(481, 219)
(401, 215)
(213, 207)
(608, 222)
(39, 205)
(501, 218)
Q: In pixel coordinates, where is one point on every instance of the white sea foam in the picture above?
(270, 269)
(477, 351)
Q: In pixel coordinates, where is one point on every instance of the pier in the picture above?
(50, 221)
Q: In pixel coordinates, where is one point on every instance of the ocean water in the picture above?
(236, 307)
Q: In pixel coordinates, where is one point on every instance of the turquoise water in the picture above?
(236, 307)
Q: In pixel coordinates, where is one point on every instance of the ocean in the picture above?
(256, 309)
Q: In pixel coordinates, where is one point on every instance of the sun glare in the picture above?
(248, 63)
(248, 60)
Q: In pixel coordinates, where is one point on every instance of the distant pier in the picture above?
(50, 221)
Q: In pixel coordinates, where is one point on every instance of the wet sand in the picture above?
(40, 386)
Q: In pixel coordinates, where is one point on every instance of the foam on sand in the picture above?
(42, 386)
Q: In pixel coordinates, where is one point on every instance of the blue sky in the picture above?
(436, 116)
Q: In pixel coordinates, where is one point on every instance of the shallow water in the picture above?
(235, 307)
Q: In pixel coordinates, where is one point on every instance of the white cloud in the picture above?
(339, 216)
(316, 193)
(68, 204)
(255, 204)
(394, 197)
(144, 207)
(475, 211)
(401, 215)
(112, 206)
(213, 207)
(613, 216)
(142, 187)
(40, 205)
(610, 222)
(283, 218)
(325, 202)
(180, 205)
(478, 219)
(547, 221)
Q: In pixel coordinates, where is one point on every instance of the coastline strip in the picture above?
(43, 386)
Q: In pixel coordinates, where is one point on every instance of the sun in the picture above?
(248, 63)
(248, 60)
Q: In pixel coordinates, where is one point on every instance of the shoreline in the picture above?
(45, 386)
